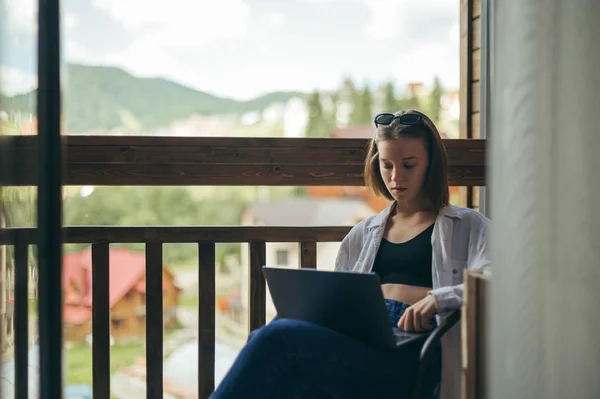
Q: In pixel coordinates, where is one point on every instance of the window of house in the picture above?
(118, 323)
(282, 256)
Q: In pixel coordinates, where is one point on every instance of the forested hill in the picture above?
(108, 97)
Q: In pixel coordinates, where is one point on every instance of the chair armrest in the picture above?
(432, 342)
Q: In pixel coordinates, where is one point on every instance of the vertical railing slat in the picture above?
(257, 292)
(308, 254)
(154, 321)
(21, 319)
(206, 318)
(100, 320)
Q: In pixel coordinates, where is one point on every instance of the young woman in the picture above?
(419, 246)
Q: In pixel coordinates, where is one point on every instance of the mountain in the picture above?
(108, 97)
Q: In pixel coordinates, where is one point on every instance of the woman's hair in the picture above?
(435, 191)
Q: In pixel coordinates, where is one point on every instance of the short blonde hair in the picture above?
(435, 191)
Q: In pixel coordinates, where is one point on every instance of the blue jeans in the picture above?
(297, 360)
(396, 310)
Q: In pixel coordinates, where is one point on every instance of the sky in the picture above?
(244, 48)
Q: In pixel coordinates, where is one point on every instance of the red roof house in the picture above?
(127, 294)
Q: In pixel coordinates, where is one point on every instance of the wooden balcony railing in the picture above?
(207, 161)
(168, 161)
(206, 237)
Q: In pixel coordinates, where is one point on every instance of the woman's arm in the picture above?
(343, 256)
(450, 298)
(350, 248)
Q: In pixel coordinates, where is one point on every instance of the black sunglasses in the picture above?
(404, 119)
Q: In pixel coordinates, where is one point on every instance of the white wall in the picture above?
(545, 199)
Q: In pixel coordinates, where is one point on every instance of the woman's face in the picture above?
(403, 164)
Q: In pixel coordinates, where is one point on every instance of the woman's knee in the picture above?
(280, 329)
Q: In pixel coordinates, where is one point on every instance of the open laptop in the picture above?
(348, 302)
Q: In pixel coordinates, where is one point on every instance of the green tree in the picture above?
(434, 110)
(333, 113)
(362, 108)
(348, 91)
(151, 206)
(390, 102)
(410, 101)
(317, 125)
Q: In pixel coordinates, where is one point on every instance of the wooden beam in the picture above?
(182, 234)
(476, 8)
(264, 162)
(475, 121)
(466, 67)
(475, 90)
(476, 65)
(476, 33)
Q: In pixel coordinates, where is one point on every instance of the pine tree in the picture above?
(410, 101)
(333, 114)
(317, 124)
(390, 102)
(362, 107)
(366, 105)
(435, 101)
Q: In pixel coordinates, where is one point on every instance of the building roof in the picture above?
(304, 211)
(356, 132)
(127, 271)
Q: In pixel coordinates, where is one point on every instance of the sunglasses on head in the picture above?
(404, 119)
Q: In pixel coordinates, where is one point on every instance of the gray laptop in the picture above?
(348, 302)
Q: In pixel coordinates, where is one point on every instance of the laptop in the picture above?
(350, 303)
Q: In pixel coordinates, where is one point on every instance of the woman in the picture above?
(419, 246)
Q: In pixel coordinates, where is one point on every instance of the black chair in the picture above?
(429, 348)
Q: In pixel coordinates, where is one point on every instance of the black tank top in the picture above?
(406, 263)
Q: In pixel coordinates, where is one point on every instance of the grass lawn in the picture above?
(32, 306)
(79, 360)
(188, 301)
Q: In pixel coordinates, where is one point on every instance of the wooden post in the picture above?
(154, 321)
(474, 332)
(258, 286)
(206, 319)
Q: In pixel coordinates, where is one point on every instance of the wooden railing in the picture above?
(206, 237)
(182, 161)
(167, 161)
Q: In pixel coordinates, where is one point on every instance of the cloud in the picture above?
(424, 62)
(275, 19)
(70, 21)
(16, 81)
(407, 18)
(242, 48)
(18, 17)
(180, 24)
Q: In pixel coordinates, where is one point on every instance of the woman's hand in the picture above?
(417, 317)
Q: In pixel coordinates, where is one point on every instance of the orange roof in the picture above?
(126, 272)
(360, 132)
(77, 314)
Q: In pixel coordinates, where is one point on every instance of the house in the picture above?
(127, 294)
(299, 211)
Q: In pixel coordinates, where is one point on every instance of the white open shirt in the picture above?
(459, 241)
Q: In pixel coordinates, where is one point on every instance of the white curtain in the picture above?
(545, 197)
